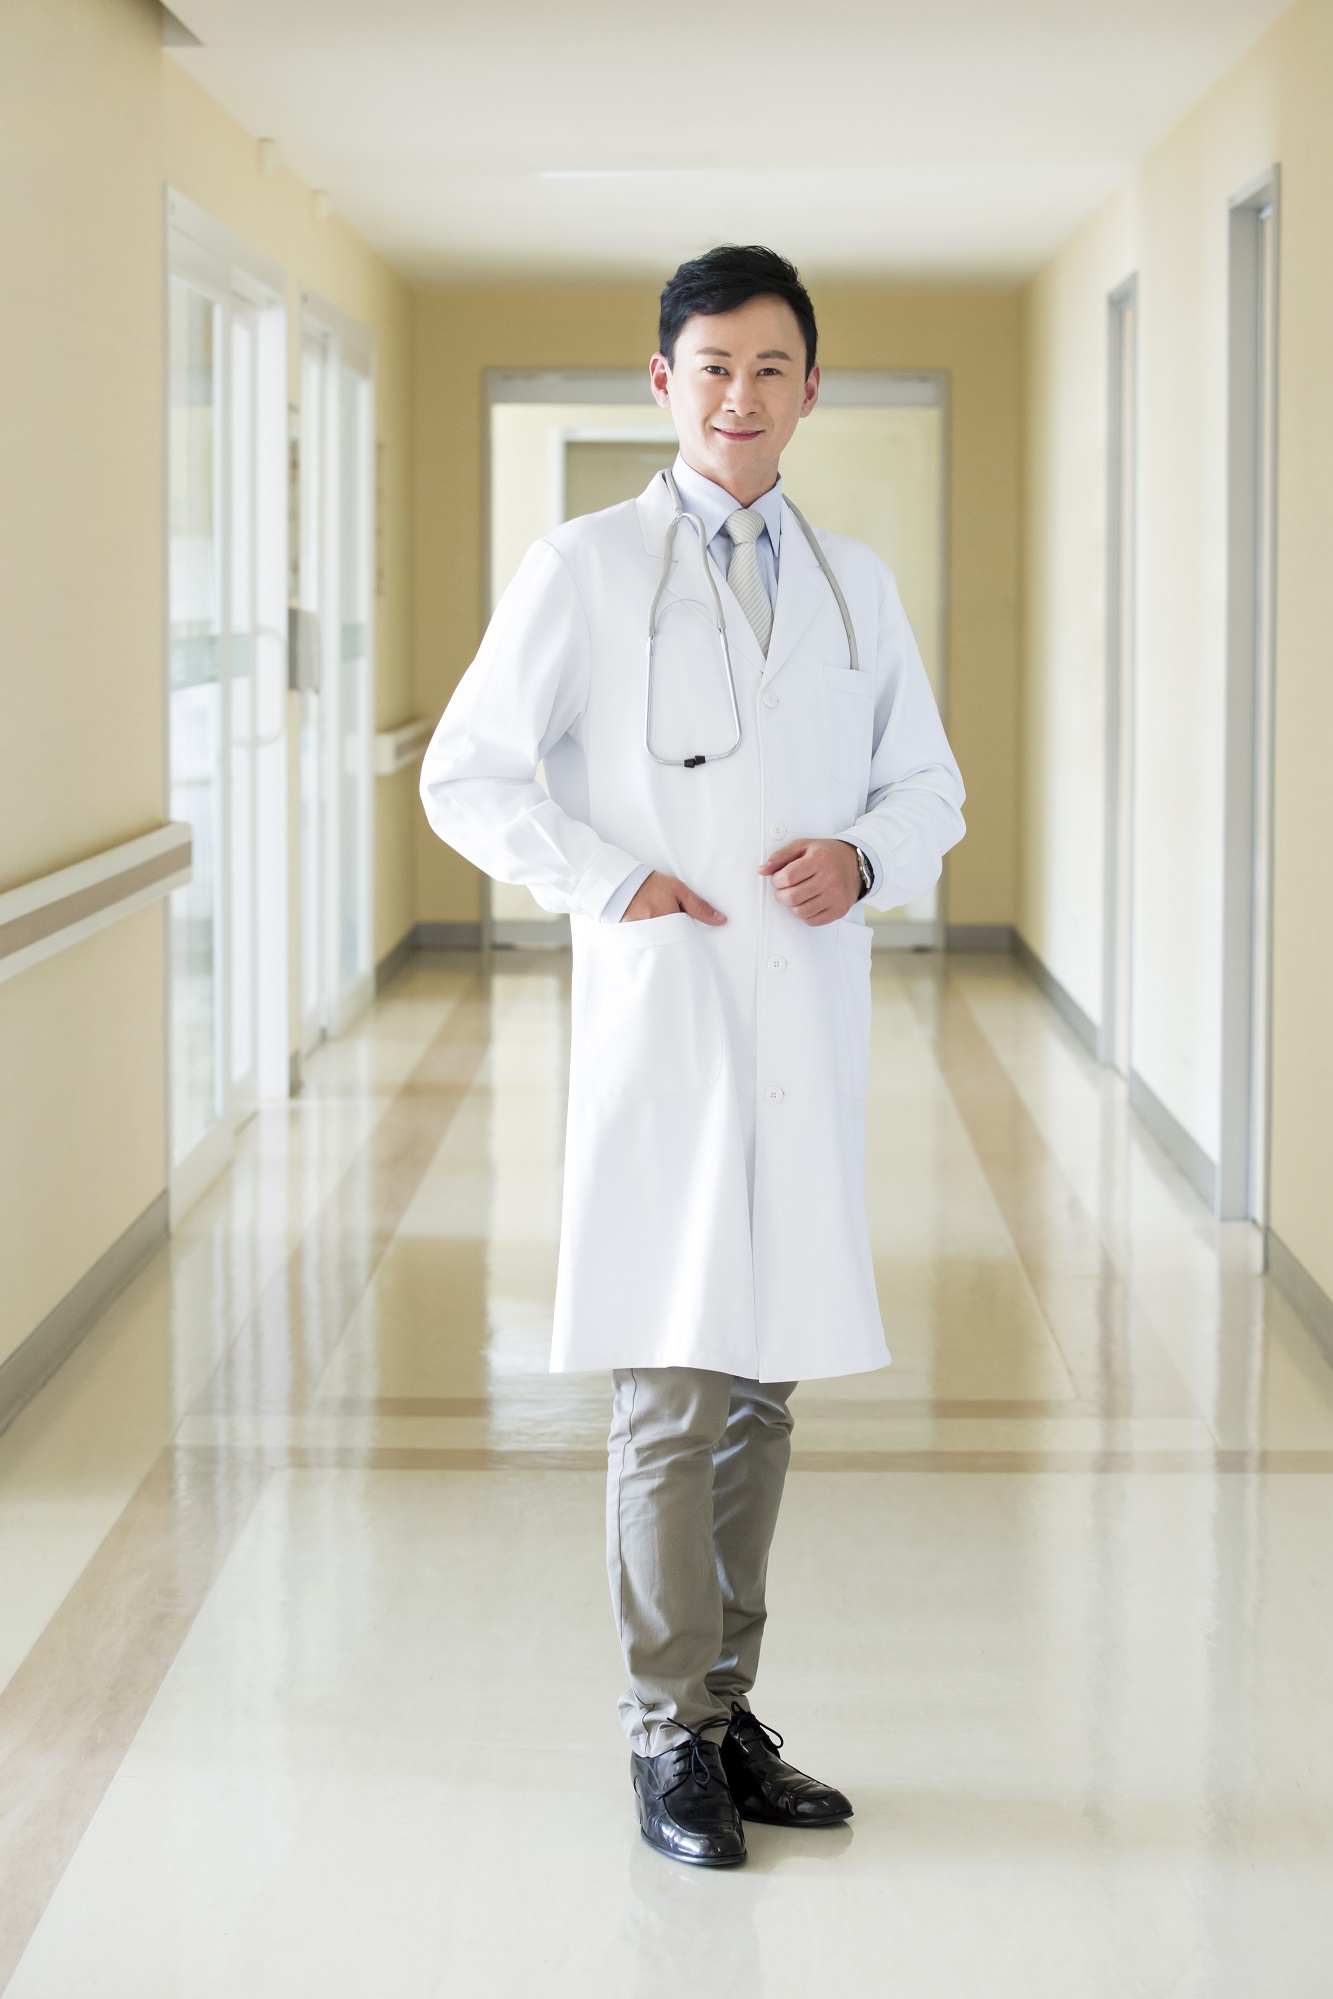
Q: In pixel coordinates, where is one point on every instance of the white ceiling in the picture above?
(867, 139)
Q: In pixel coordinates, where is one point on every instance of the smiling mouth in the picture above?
(741, 436)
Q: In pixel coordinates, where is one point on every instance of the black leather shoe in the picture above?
(685, 1808)
(767, 1790)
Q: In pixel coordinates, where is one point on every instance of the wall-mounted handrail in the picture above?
(396, 748)
(60, 909)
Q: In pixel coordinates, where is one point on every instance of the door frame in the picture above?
(1115, 1035)
(1252, 410)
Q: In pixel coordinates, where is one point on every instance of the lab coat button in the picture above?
(774, 1094)
(777, 964)
(771, 700)
(776, 832)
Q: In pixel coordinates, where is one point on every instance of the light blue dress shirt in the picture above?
(715, 507)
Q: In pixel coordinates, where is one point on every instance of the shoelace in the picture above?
(742, 1718)
(696, 1763)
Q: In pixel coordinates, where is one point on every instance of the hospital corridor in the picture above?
(376, 1136)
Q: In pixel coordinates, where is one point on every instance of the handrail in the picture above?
(396, 748)
(60, 909)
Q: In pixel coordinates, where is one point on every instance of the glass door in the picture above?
(226, 705)
(310, 597)
(195, 701)
(354, 720)
(241, 707)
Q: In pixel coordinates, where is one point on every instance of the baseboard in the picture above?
(520, 933)
(531, 932)
(391, 964)
(50, 1344)
(1309, 1300)
(979, 937)
(1064, 1003)
(1180, 1148)
(444, 937)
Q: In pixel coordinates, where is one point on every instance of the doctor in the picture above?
(714, 847)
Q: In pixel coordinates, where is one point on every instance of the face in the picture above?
(736, 391)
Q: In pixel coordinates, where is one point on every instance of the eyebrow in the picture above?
(768, 354)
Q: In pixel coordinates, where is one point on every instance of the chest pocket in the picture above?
(848, 701)
(646, 1016)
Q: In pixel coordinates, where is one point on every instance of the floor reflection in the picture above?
(310, 1675)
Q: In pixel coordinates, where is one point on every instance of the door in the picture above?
(226, 701)
(196, 708)
(335, 588)
(242, 649)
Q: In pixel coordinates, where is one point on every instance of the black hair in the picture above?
(729, 277)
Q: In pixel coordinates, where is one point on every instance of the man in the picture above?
(712, 826)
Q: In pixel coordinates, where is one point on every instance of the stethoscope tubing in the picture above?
(719, 756)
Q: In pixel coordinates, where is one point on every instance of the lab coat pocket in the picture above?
(849, 713)
(855, 942)
(646, 1017)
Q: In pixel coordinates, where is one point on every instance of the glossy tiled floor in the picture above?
(308, 1672)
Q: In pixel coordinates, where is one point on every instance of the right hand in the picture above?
(663, 895)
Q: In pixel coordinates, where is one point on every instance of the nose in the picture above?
(740, 395)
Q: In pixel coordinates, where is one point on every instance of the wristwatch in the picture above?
(867, 872)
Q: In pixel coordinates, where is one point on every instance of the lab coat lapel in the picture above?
(655, 511)
(801, 590)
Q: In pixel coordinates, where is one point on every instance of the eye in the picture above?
(714, 368)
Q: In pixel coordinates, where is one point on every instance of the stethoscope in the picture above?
(716, 756)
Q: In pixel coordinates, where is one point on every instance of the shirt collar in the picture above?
(715, 506)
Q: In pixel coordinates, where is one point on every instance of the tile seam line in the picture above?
(379, 1458)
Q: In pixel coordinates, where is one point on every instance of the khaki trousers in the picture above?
(696, 1464)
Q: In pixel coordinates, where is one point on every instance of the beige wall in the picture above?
(81, 1048)
(975, 335)
(1170, 224)
(94, 119)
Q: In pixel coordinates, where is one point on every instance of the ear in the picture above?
(811, 391)
(659, 375)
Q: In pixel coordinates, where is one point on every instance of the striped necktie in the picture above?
(745, 527)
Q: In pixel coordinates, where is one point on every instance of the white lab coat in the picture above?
(714, 1197)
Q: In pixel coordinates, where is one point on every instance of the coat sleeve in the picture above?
(525, 690)
(913, 812)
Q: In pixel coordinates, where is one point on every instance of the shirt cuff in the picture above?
(620, 898)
